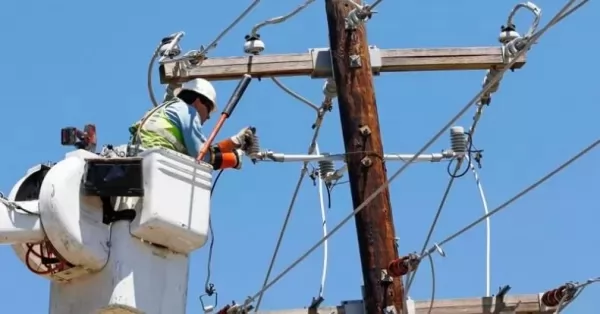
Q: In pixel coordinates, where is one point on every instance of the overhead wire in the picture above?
(279, 19)
(490, 84)
(294, 94)
(488, 230)
(303, 173)
(453, 176)
(384, 186)
(214, 43)
(149, 78)
(433, 284)
(324, 226)
(517, 196)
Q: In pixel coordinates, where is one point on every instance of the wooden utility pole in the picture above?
(351, 64)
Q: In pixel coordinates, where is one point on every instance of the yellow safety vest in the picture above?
(158, 131)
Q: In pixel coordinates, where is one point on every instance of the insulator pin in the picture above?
(564, 293)
(403, 265)
(458, 139)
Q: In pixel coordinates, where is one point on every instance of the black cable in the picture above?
(212, 189)
(470, 151)
(328, 188)
(209, 288)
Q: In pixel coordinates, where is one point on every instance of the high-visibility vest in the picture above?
(158, 131)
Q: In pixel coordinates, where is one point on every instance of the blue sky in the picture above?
(74, 62)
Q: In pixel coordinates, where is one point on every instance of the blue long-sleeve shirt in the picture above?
(187, 120)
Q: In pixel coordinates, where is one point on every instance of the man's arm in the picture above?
(186, 118)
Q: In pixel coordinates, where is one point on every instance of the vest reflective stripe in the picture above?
(158, 131)
(166, 135)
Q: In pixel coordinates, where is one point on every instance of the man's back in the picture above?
(187, 121)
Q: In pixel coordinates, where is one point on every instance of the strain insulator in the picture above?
(403, 265)
(564, 293)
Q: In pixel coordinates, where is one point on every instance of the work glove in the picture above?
(240, 156)
(243, 140)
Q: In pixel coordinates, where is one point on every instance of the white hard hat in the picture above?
(204, 88)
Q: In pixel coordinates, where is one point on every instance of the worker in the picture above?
(178, 126)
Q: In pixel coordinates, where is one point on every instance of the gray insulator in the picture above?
(458, 139)
(326, 167)
(254, 149)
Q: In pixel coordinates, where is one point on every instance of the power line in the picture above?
(484, 90)
(303, 173)
(279, 19)
(492, 79)
(517, 196)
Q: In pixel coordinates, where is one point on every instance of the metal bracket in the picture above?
(385, 277)
(366, 162)
(322, 65)
(364, 130)
(355, 61)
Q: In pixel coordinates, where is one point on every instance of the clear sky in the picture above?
(68, 63)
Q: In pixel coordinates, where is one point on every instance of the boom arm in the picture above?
(19, 222)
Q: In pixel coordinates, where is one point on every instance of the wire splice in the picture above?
(562, 294)
(403, 265)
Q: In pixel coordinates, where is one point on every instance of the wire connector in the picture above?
(512, 42)
(358, 16)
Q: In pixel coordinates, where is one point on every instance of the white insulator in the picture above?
(507, 36)
(326, 168)
(458, 139)
(253, 45)
(329, 88)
